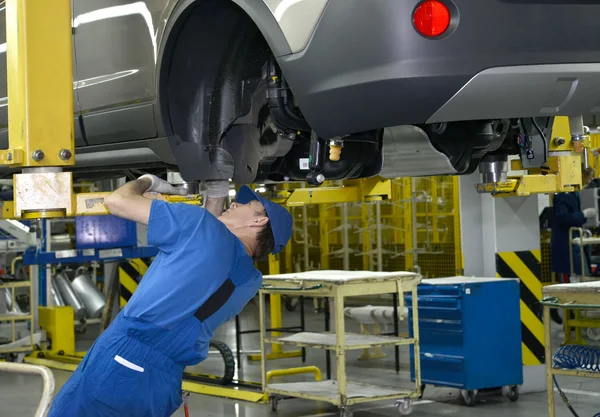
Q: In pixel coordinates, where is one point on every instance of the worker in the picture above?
(203, 276)
(567, 213)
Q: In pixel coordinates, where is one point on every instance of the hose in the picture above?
(578, 357)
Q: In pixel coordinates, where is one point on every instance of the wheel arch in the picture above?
(256, 10)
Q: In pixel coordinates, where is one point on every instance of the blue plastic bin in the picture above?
(104, 232)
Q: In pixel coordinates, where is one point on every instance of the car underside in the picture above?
(367, 92)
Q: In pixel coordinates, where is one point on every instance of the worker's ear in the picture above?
(258, 221)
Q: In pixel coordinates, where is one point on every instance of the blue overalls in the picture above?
(201, 278)
(566, 214)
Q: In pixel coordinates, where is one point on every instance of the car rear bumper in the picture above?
(366, 67)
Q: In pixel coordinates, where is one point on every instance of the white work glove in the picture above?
(217, 189)
(162, 187)
(589, 213)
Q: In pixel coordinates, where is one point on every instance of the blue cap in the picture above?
(280, 219)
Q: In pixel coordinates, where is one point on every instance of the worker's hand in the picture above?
(589, 213)
(162, 187)
(217, 189)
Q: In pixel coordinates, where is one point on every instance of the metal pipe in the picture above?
(345, 236)
(47, 377)
(379, 237)
(48, 248)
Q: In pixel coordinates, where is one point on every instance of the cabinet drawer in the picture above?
(441, 332)
(442, 370)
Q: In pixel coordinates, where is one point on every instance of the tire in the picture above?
(404, 407)
(513, 393)
(469, 397)
(274, 403)
(422, 391)
(228, 359)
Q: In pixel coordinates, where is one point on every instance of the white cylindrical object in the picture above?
(383, 315)
(91, 296)
(69, 296)
(58, 300)
(360, 314)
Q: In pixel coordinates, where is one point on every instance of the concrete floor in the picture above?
(19, 395)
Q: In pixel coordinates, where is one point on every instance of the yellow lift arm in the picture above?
(565, 156)
(367, 189)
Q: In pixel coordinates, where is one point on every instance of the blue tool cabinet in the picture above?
(470, 335)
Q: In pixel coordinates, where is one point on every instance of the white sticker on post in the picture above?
(89, 252)
(110, 253)
(62, 254)
(304, 163)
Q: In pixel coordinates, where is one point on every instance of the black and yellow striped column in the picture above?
(130, 273)
(526, 265)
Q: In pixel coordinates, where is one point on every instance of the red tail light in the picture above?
(431, 18)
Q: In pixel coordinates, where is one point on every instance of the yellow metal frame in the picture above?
(564, 174)
(21, 317)
(369, 189)
(579, 322)
(563, 296)
(338, 292)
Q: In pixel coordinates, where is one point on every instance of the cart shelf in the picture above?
(352, 341)
(329, 391)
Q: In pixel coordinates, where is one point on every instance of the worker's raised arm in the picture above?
(128, 201)
(216, 194)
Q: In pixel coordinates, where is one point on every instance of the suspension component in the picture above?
(279, 100)
(316, 160)
(335, 149)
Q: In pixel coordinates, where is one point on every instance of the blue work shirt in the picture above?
(197, 254)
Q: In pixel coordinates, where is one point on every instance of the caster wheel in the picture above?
(345, 412)
(469, 397)
(422, 391)
(512, 392)
(274, 403)
(404, 407)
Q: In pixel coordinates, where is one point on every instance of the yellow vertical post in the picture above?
(395, 213)
(324, 236)
(458, 255)
(275, 303)
(39, 54)
(434, 209)
(366, 243)
(276, 321)
(408, 224)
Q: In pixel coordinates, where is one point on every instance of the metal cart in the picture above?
(590, 321)
(578, 361)
(338, 285)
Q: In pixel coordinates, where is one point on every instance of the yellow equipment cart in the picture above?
(338, 285)
(570, 360)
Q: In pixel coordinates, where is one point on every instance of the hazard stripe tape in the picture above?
(526, 266)
(129, 274)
